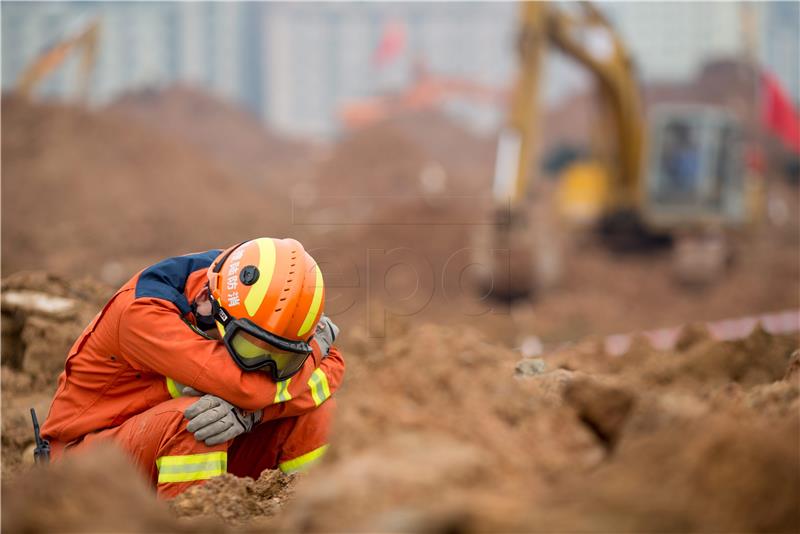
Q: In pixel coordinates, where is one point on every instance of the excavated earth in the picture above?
(439, 429)
(442, 425)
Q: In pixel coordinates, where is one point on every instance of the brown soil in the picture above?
(233, 138)
(466, 446)
(435, 431)
(236, 501)
(413, 189)
(97, 492)
(35, 345)
(88, 192)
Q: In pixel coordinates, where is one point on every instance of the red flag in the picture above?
(392, 44)
(778, 114)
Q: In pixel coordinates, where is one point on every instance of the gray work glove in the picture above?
(214, 420)
(326, 334)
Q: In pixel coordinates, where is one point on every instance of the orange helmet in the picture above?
(267, 297)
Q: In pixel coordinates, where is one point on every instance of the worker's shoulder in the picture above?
(167, 279)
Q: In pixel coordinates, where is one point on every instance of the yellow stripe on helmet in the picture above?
(316, 302)
(266, 267)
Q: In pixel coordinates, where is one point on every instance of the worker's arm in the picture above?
(308, 393)
(154, 337)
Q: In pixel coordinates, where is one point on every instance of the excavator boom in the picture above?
(591, 40)
(86, 40)
(641, 196)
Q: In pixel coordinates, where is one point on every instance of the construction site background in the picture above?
(459, 412)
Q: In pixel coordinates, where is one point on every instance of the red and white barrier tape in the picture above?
(784, 322)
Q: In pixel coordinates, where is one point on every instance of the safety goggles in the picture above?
(254, 348)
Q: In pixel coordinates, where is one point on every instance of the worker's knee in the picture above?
(170, 413)
(177, 405)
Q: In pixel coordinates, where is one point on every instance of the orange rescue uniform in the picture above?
(119, 384)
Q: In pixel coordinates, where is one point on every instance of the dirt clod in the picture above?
(236, 500)
(604, 409)
(793, 369)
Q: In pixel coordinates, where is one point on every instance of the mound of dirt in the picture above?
(93, 193)
(401, 193)
(413, 172)
(462, 152)
(233, 138)
(417, 154)
(42, 315)
(236, 500)
(714, 473)
(411, 191)
(701, 365)
(98, 492)
(433, 432)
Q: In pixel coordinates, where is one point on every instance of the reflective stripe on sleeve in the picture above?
(191, 467)
(301, 463)
(319, 386)
(282, 394)
(173, 388)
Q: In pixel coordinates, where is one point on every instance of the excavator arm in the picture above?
(530, 255)
(517, 141)
(591, 40)
(86, 40)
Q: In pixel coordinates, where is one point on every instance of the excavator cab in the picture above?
(695, 187)
(695, 170)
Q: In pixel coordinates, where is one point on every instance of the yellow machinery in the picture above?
(85, 40)
(687, 179)
(591, 40)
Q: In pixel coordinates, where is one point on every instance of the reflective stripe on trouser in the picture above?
(191, 467)
(301, 463)
(166, 454)
(160, 433)
(282, 443)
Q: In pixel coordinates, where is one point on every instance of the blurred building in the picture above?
(142, 44)
(671, 39)
(295, 63)
(317, 56)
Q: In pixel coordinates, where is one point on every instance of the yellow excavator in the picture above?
(85, 40)
(677, 174)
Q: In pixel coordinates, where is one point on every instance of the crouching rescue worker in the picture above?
(243, 330)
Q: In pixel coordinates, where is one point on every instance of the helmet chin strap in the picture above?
(204, 322)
